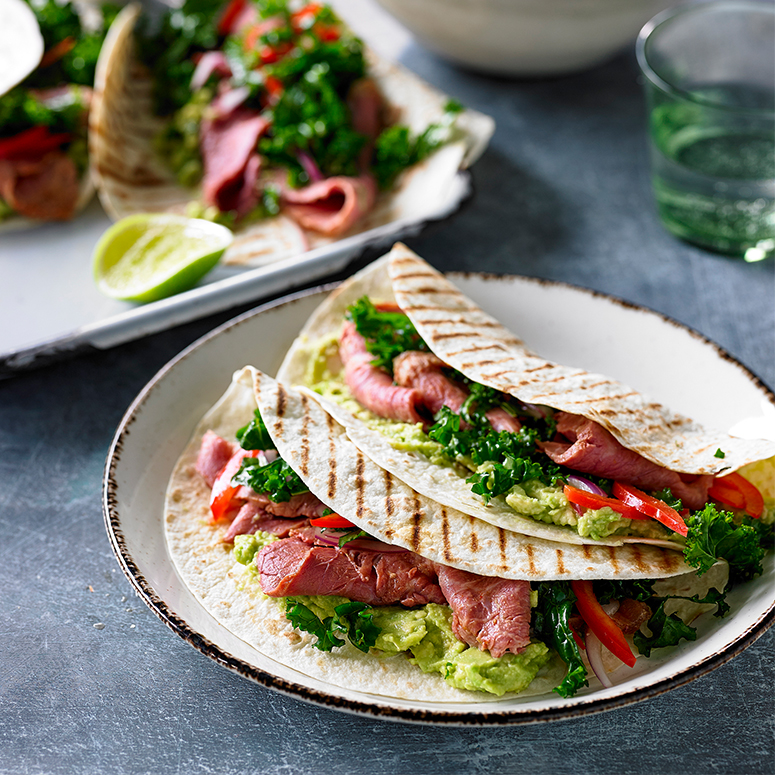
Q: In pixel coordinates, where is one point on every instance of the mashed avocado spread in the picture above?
(425, 635)
(534, 499)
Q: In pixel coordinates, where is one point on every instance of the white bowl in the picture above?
(524, 37)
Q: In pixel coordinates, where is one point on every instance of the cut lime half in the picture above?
(150, 256)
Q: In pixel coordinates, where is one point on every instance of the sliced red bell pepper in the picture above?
(590, 500)
(274, 87)
(331, 520)
(601, 623)
(230, 15)
(32, 142)
(652, 507)
(305, 16)
(328, 33)
(736, 491)
(57, 51)
(223, 491)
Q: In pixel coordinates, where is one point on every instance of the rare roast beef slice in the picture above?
(372, 387)
(330, 206)
(591, 449)
(45, 188)
(293, 566)
(491, 614)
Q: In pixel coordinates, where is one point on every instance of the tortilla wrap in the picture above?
(131, 178)
(386, 508)
(454, 328)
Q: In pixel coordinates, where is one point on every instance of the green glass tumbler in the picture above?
(709, 76)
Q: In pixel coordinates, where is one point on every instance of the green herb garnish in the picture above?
(276, 479)
(352, 620)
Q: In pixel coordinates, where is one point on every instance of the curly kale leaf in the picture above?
(352, 620)
(633, 589)
(715, 534)
(665, 631)
(254, 435)
(551, 623)
(387, 333)
(277, 479)
(395, 148)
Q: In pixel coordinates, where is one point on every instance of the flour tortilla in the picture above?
(367, 495)
(131, 178)
(232, 597)
(403, 277)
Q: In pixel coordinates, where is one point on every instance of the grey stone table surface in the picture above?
(562, 193)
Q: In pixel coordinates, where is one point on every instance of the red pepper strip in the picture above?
(32, 142)
(298, 19)
(328, 33)
(57, 51)
(331, 520)
(271, 54)
(601, 623)
(223, 492)
(274, 87)
(592, 501)
(736, 491)
(230, 15)
(652, 507)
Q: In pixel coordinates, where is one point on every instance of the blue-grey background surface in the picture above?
(562, 193)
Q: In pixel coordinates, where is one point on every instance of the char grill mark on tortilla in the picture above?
(304, 464)
(591, 449)
(331, 458)
(490, 614)
(416, 520)
(652, 430)
(372, 387)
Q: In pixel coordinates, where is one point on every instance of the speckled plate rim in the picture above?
(379, 707)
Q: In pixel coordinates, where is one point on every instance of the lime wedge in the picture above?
(151, 256)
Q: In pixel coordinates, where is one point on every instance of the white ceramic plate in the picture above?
(566, 324)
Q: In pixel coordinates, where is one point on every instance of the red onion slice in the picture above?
(594, 648)
(310, 166)
(584, 484)
(209, 63)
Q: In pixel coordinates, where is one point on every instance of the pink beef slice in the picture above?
(488, 613)
(591, 449)
(228, 145)
(303, 505)
(423, 372)
(330, 206)
(214, 453)
(372, 387)
(251, 518)
(292, 566)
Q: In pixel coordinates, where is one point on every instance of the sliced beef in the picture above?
(303, 505)
(591, 449)
(214, 453)
(330, 206)
(366, 106)
(46, 188)
(488, 613)
(631, 615)
(372, 387)
(423, 371)
(208, 64)
(293, 567)
(251, 518)
(228, 146)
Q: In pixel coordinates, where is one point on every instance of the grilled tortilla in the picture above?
(131, 178)
(465, 337)
(318, 448)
